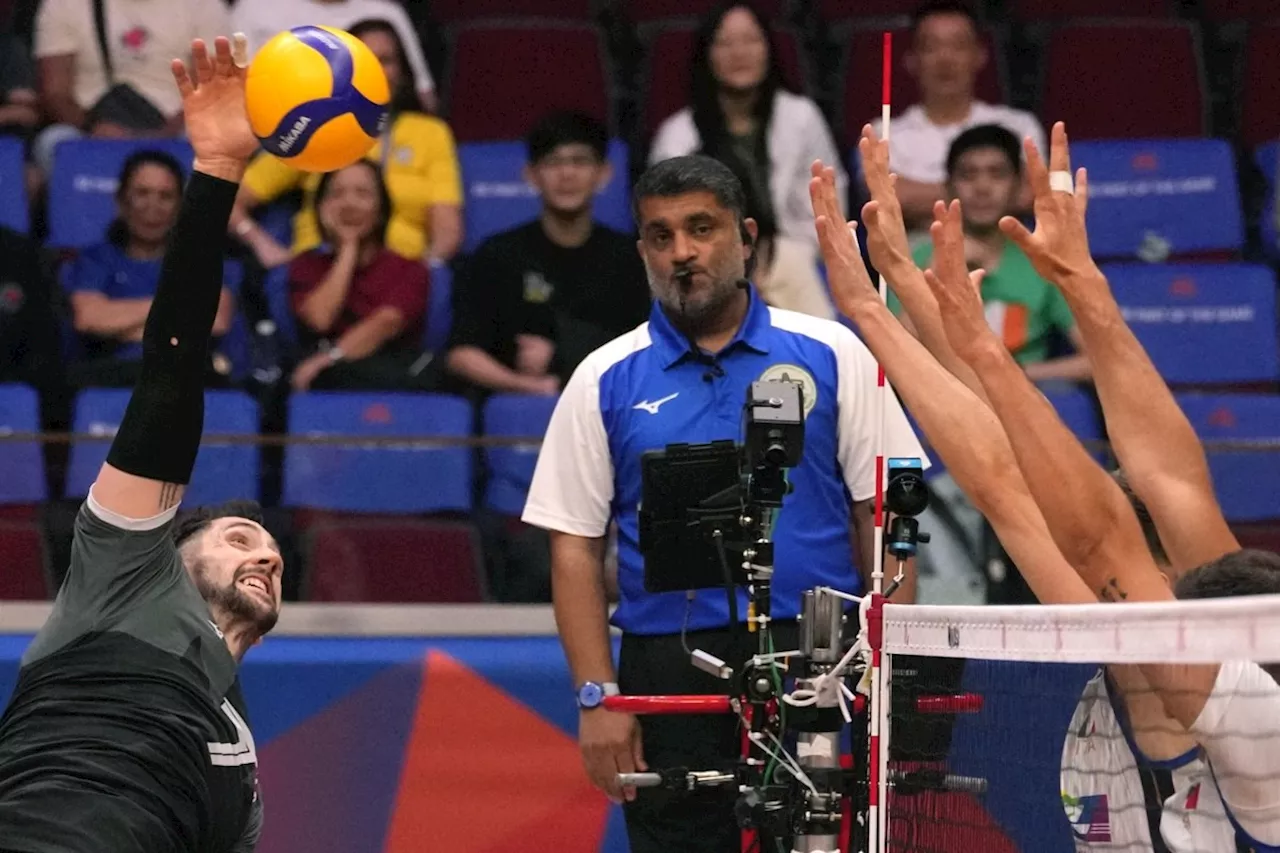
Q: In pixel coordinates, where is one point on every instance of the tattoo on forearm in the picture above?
(1111, 591)
(169, 494)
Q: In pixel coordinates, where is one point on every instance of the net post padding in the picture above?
(1199, 631)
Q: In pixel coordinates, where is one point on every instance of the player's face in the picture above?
(385, 48)
(237, 568)
(568, 178)
(946, 56)
(987, 186)
(149, 203)
(693, 254)
(739, 52)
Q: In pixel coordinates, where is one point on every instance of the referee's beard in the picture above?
(233, 601)
(695, 304)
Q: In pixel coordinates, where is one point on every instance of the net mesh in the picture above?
(1036, 728)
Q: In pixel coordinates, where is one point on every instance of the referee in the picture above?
(126, 732)
(683, 377)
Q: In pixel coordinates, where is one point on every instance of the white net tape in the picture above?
(1023, 729)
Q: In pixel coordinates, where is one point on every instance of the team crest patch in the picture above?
(1089, 816)
(794, 373)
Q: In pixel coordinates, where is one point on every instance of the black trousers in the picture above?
(701, 821)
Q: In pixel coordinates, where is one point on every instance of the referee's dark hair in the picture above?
(193, 522)
(985, 136)
(693, 173)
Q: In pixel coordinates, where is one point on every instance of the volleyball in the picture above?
(317, 98)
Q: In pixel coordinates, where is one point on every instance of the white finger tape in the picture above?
(1061, 182)
(240, 50)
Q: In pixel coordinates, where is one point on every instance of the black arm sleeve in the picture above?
(160, 433)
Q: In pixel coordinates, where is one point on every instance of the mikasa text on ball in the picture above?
(317, 98)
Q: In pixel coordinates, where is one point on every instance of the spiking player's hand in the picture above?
(213, 106)
(957, 290)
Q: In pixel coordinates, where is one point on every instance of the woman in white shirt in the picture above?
(743, 114)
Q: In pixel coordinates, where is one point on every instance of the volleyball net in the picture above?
(1071, 738)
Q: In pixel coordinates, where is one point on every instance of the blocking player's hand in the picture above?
(957, 290)
(610, 742)
(887, 242)
(847, 275)
(1059, 247)
(213, 104)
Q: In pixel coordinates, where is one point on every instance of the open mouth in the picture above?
(258, 584)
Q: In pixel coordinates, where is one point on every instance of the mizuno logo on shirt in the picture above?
(652, 408)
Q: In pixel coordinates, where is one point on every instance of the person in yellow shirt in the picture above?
(418, 160)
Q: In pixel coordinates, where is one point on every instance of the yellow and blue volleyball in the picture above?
(317, 98)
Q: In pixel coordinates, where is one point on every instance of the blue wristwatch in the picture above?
(592, 693)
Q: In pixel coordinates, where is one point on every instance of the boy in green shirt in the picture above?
(984, 171)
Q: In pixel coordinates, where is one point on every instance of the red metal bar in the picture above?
(669, 704)
(958, 703)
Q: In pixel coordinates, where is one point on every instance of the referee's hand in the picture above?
(610, 742)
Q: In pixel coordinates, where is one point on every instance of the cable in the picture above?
(684, 625)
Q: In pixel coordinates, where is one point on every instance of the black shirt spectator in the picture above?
(534, 301)
(28, 330)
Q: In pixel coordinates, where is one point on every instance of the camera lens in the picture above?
(775, 454)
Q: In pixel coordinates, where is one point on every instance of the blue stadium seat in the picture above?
(435, 334)
(222, 472)
(83, 183)
(510, 468)
(13, 185)
(498, 198)
(1078, 411)
(1154, 199)
(1265, 156)
(1247, 481)
(387, 478)
(21, 462)
(1202, 323)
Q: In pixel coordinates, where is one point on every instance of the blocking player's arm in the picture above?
(1156, 444)
(964, 432)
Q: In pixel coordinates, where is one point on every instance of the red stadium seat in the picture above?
(1131, 80)
(670, 55)
(460, 11)
(647, 11)
(24, 576)
(837, 11)
(393, 559)
(863, 70)
(1058, 10)
(1221, 11)
(506, 76)
(1260, 120)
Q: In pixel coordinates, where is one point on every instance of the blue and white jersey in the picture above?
(648, 389)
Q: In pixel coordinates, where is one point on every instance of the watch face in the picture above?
(590, 695)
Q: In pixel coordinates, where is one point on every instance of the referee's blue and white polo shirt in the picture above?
(646, 389)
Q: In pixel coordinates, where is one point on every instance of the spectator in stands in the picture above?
(28, 328)
(984, 171)
(360, 306)
(127, 91)
(19, 104)
(784, 270)
(945, 57)
(110, 285)
(742, 114)
(260, 20)
(534, 301)
(419, 163)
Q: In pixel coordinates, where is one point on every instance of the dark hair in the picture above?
(708, 117)
(985, 136)
(117, 231)
(566, 128)
(1154, 545)
(405, 98)
(193, 522)
(942, 7)
(693, 173)
(384, 198)
(1248, 571)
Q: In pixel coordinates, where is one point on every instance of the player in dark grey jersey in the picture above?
(127, 732)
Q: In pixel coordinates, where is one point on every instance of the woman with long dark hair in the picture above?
(743, 114)
(416, 156)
